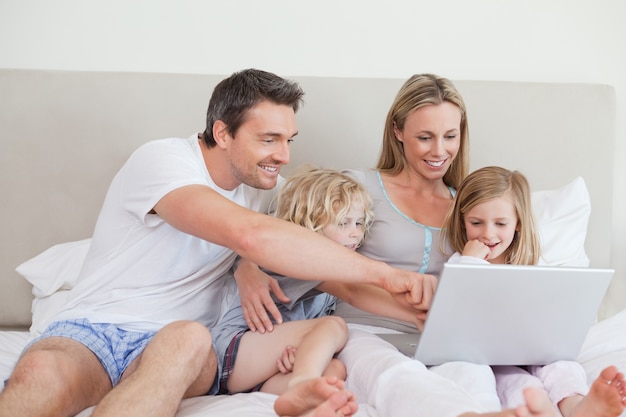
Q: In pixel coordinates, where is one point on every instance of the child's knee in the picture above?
(338, 327)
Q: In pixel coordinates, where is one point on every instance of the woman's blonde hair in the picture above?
(418, 91)
(315, 197)
(486, 184)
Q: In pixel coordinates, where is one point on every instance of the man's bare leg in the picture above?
(179, 362)
(319, 397)
(606, 397)
(56, 376)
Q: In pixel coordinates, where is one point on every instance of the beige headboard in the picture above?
(64, 135)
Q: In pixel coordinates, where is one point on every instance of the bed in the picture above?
(65, 134)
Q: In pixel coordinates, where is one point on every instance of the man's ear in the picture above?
(220, 133)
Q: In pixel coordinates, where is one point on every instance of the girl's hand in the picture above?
(286, 361)
(477, 249)
(255, 287)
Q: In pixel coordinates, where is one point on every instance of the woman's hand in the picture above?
(255, 287)
(420, 319)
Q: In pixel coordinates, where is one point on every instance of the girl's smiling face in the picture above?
(494, 224)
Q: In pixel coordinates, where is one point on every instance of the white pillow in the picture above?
(55, 268)
(562, 216)
(53, 273)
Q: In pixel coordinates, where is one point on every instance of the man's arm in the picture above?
(281, 246)
(374, 300)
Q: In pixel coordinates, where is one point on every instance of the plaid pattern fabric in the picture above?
(228, 364)
(115, 348)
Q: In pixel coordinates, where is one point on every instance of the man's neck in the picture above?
(216, 164)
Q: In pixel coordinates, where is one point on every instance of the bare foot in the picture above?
(335, 406)
(319, 397)
(504, 413)
(606, 396)
(537, 405)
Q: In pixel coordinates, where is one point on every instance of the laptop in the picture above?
(507, 315)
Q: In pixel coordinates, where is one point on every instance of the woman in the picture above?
(424, 158)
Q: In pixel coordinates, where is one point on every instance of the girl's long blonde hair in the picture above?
(314, 197)
(486, 184)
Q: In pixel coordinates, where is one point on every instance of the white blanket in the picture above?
(605, 345)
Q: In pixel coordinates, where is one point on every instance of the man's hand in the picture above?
(255, 287)
(412, 289)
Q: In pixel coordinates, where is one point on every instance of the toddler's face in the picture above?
(348, 231)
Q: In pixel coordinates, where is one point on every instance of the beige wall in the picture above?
(533, 40)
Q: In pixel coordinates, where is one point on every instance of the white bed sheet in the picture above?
(605, 345)
(11, 344)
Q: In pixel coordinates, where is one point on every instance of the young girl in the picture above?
(491, 221)
(339, 208)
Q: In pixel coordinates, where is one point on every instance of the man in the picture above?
(133, 338)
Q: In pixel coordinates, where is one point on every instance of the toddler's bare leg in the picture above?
(280, 383)
(337, 369)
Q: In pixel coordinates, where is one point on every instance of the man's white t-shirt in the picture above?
(140, 272)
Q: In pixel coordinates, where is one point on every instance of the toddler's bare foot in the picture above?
(319, 397)
(338, 405)
(606, 396)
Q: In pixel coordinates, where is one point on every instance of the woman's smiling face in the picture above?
(431, 138)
